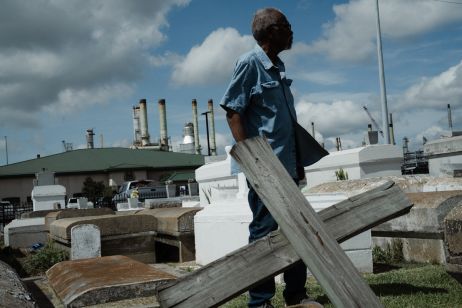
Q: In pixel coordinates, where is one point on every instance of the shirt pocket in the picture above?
(266, 97)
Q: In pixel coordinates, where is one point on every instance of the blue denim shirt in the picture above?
(260, 92)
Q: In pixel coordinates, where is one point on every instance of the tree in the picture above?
(92, 189)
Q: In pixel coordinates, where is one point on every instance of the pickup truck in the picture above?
(146, 190)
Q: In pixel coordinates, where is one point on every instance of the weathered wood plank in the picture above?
(235, 273)
(302, 226)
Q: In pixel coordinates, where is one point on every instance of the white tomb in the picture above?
(45, 197)
(222, 226)
(444, 156)
(23, 233)
(360, 163)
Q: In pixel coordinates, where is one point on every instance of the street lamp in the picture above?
(207, 128)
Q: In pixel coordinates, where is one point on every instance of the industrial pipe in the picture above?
(143, 118)
(163, 125)
(197, 145)
(213, 146)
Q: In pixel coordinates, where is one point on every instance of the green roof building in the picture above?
(112, 166)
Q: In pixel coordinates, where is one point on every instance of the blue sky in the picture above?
(66, 66)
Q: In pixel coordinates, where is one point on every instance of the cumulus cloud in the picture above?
(433, 132)
(56, 52)
(351, 35)
(333, 119)
(167, 59)
(434, 92)
(212, 61)
(321, 77)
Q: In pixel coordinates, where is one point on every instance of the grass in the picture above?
(406, 285)
(34, 263)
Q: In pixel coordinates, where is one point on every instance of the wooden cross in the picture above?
(304, 235)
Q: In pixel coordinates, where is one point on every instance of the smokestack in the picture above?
(369, 127)
(196, 127)
(213, 146)
(136, 126)
(163, 125)
(312, 129)
(450, 118)
(143, 118)
(338, 144)
(90, 134)
(405, 145)
(391, 130)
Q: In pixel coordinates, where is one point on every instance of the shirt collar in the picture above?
(263, 57)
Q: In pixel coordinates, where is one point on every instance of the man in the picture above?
(258, 102)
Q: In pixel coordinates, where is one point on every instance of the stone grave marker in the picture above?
(85, 242)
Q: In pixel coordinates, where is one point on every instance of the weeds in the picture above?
(393, 253)
(208, 194)
(42, 260)
(341, 175)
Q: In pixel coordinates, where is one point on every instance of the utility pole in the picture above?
(383, 93)
(207, 128)
(6, 149)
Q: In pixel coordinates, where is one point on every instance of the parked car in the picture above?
(145, 190)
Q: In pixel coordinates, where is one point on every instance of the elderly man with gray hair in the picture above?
(258, 102)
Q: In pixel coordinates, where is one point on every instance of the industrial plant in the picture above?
(190, 144)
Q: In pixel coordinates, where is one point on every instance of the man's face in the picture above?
(281, 34)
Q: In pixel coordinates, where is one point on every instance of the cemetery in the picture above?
(188, 252)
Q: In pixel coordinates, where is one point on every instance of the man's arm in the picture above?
(235, 124)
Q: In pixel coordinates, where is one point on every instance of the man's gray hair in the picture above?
(262, 20)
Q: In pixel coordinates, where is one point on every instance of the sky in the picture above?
(67, 66)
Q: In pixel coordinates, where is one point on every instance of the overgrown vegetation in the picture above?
(410, 285)
(393, 253)
(39, 262)
(341, 174)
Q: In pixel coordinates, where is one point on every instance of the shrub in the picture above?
(341, 175)
(43, 259)
(393, 253)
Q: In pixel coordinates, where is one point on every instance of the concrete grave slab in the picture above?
(35, 214)
(95, 281)
(162, 203)
(109, 225)
(70, 213)
(422, 230)
(129, 235)
(85, 242)
(453, 239)
(427, 215)
(23, 233)
(173, 221)
(175, 227)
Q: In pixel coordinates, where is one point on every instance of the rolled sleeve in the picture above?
(237, 95)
